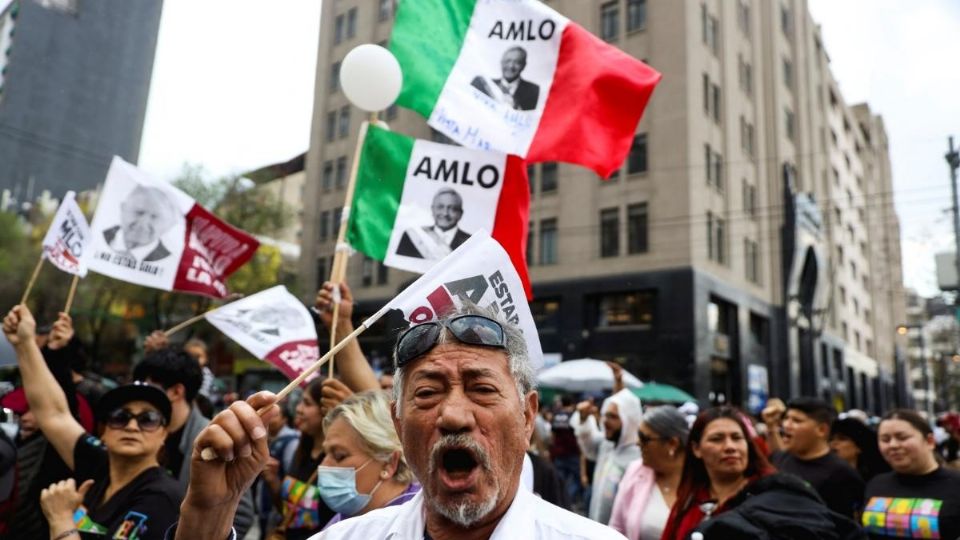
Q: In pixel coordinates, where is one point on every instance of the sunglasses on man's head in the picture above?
(470, 329)
(146, 420)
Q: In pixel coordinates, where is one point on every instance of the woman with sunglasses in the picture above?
(363, 468)
(649, 487)
(920, 498)
(123, 490)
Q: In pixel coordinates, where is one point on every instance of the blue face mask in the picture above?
(338, 489)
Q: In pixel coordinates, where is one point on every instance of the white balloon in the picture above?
(370, 77)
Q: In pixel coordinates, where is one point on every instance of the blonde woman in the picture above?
(363, 466)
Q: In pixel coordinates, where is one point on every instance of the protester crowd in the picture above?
(454, 443)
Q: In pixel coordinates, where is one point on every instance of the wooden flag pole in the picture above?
(33, 280)
(338, 270)
(186, 323)
(73, 291)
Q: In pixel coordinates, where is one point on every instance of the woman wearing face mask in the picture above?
(364, 468)
(920, 498)
(729, 490)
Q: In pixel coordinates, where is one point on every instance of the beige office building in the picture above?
(747, 246)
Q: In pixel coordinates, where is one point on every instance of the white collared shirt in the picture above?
(529, 517)
(138, 253)
(446, 236)
(510, 88)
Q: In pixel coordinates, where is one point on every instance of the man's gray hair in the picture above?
(447, 191)
(156, 197)
(518, 360)
(667, 422)
(518, 49)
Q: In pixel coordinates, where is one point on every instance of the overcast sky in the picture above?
(232, 85)
(901, 57)
(233, 90)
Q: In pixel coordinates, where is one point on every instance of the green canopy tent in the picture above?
(656, 392)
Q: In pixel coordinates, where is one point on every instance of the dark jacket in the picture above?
(780, 507)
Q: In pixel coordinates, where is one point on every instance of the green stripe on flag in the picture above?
(380, 178)
(427, 38)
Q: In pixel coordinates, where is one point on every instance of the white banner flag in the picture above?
(68, 237)
(479, 271)
(148, 232)
(274, 326)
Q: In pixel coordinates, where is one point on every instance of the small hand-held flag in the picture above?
(150, 233)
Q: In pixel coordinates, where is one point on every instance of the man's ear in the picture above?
(823, 430)
(177, 392)
(531, 405)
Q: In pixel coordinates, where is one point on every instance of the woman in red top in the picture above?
(721, 461)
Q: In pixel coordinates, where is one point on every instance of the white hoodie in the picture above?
(612, 460)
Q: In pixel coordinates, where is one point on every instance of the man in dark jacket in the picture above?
(779, 506)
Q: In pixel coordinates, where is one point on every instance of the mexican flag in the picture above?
(517, 77)
(417, 201)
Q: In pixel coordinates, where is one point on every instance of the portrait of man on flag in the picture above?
(438, 239)
(146, 215)
(511, 89)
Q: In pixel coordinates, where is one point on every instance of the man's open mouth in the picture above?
(458, 462)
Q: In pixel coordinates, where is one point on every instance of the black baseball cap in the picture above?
(135, 391)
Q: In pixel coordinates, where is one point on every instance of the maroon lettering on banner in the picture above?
(213, 250)
(295, 357)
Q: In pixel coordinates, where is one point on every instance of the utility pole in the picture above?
(953, 161)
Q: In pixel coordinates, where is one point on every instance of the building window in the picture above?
(337, 216)
(716, 103)
(721, 241)
(788, 73)
(351, 23)
(610, 232)
(713, 34)
(383, 273)
(344, 129)
(324, 225)
(625, 309)
(331, 131)
(548, 177)
(637, 229)
(752, 262)
(548, 241)
(846, 331)
(714, 168)
(610, 20)
(335, 77)
(341, 175)
(743, 16)
(750, 199)
(530, 259)
(637, 161)
(843, 296)
(385, 11)
(746, 77)
(636, 15)
(366, 272)
(746, 136)
(546, 314)
(327, 181)
(786, 22)
(339, 27)
(856, 307)
(532, 178)
(790, 124)
(706, 94)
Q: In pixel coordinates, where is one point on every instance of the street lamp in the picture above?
(903, 329)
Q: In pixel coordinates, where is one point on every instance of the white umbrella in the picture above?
(583, 375)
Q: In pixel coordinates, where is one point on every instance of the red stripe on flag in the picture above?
(595, 103)
(441, 302)
(513, 218)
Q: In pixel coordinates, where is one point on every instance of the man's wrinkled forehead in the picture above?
(449, 359)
